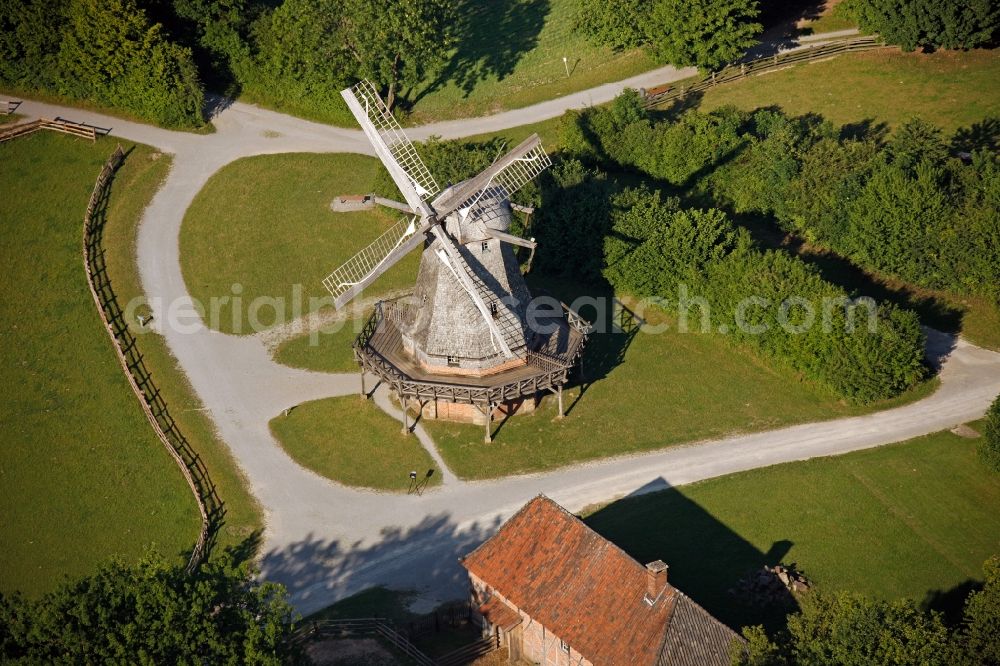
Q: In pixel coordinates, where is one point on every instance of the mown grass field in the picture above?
(951, 89)
(512, 56)
(243, 519)
(647, 391)
(82, 476)
(353, 442)
(329, 350)
(915, 519)
(262, 229)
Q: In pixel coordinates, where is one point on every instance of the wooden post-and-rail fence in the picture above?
(132, 364)
(58, 125)
(663, 95)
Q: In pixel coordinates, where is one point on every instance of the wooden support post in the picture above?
(559, 394)
(364, 393)
(489, 423)
(406, 424)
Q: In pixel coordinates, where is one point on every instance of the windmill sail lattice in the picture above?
(354, 275)
(391, 143)
(501, 180)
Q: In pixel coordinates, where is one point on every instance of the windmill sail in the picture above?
(391, 145)
(348, 280)
(504, 177)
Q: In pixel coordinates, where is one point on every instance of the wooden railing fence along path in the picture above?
(663, 95)
(131, 360)
(8, 107)
(373, 626)
(58, 125)
(402, 635)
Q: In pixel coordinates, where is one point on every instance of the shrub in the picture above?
(656, 249)
(989, 443)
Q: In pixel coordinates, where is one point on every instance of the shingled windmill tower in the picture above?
(467, 342)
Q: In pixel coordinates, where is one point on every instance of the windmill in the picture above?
(462, 337)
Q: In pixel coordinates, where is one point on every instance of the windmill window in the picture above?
(564, 645)
(486, 246)
(452, 362)
(494, 310)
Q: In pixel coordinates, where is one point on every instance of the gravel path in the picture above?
(325, 541)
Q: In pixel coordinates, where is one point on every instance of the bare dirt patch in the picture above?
(350, 652)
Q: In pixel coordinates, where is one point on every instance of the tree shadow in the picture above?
(677, 108)
(984, 135)
(318, 571)
(951, 602)
(493, 37)
(932, 310)
(867, 129)
(707, 559)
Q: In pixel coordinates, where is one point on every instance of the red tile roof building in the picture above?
(556, 592)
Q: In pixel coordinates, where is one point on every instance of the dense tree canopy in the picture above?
(150, 612)
(105, 51)
(929, 23)
(396, 42)
(706, 33)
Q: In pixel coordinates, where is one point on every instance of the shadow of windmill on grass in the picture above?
(707, 559)
(615, 328)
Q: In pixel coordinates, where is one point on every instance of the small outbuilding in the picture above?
(555, 592)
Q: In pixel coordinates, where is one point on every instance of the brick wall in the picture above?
(538, 644)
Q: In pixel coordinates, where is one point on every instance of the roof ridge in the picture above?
(506, 524)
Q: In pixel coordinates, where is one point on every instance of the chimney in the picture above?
(656, 581)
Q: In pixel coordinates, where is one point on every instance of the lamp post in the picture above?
(566, 65)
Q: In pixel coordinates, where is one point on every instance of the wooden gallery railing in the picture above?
(131, 361)
(662, 95)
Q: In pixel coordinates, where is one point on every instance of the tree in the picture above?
(29, 41)
(613, 23)
(929, 23)
(706, 33)
(978, 640)
(151, 612)
(397, 42)
(989, 443)
(112, 54)
(845, 629)
(300, 59)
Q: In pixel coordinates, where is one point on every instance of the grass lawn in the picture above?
(243, 519)
(328, 351)
(831, 18)
(648, 392)
(951, 89)
(352, 442)
(915, 519)
(487, 74)
(82, 475)
(261, 232)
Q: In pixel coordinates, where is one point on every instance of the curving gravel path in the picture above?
(325, 541)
